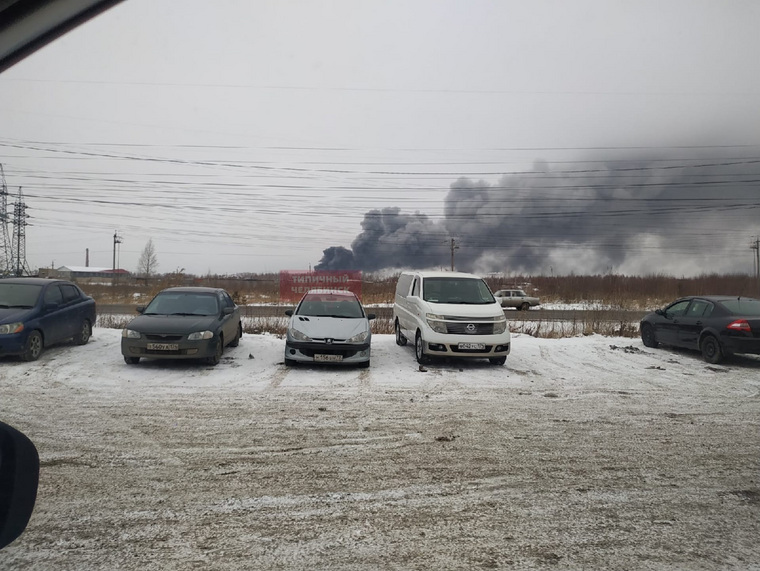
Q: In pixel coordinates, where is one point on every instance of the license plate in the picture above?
(329, 358)
(163, 346)
(478, 346)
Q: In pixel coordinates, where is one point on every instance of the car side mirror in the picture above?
(371, 316)
(228, 310)
(289, 312)
(19, 476)
(140, 308)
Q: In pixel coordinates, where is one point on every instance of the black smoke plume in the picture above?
(676, 216)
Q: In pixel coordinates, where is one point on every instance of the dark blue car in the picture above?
(36, 313)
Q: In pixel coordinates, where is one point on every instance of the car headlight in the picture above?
(435, 322)
(198, 335)
(500, 326)
(130, 334)
(359, 337)
(297, 335)
(9, 328)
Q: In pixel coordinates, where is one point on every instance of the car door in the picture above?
(71, 311)
(405, 311)
(229, 321)
(690, 325)
(52, 315)
(666, 328)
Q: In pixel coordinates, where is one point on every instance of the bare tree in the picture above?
(148, 263)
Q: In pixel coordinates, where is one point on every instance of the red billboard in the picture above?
(293, 284)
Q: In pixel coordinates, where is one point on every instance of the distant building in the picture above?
(84, 273)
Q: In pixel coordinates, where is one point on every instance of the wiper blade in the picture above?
(180, 313)
(19, 306)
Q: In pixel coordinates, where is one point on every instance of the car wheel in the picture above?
(711, 351)
(647, 336)
(34, 346)
(290, 362)
(419, 349)
(217, 356)
(131, 360)
(400, 339)
(85, 332)
(525, 306)
(236, 341)
(364, 365)
(498, 360)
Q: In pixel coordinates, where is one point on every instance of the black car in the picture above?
(36, 313)
(183, 323)
(719, 326)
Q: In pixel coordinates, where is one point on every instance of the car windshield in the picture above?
(330, 305)
(183, 303)
(745, 307)
(457, 290)
(19, 295)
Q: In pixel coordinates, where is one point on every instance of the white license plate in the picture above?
(477, 346)
(329, 358)
(163, 346)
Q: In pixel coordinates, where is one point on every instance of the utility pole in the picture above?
(755, 245)
(6, 247)
(20, 265)
(116, 240)
(454, 246)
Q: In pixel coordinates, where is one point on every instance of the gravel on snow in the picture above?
(582, 453)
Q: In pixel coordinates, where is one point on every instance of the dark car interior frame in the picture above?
(25, 27)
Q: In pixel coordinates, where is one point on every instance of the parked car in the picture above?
(36, 313)
(450, 314)
(329, 326)
(183, 323)
(718, 326)
(516, 298)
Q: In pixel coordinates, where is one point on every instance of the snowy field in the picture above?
(580, 454)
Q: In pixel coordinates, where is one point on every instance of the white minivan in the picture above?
(450, 314)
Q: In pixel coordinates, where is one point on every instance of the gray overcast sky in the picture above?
(246, 136)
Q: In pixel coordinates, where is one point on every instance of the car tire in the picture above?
(290, 362)
(498, 360)
(34, 347)
(84, 334)
(525, 306)
(647, 336)
(419, 349)
(400, 339)
(364, 365)
(236, 341)
(711, 351)
(131, 360)
(216, 358)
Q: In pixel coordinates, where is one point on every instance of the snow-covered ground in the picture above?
(580, 453)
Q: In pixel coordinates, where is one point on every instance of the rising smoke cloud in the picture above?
(677, 216)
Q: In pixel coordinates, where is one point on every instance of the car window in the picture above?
(70, 293)
(330, 305)
(402, 287)
(227, 301)
(746, 307)
(416, 287)
(698, 308)
(677, 309)
(54, 295)
(19, 295)
(176, 303)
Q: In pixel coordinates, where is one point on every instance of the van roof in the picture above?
(439, 274)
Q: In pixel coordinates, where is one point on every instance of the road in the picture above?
(610, 315)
